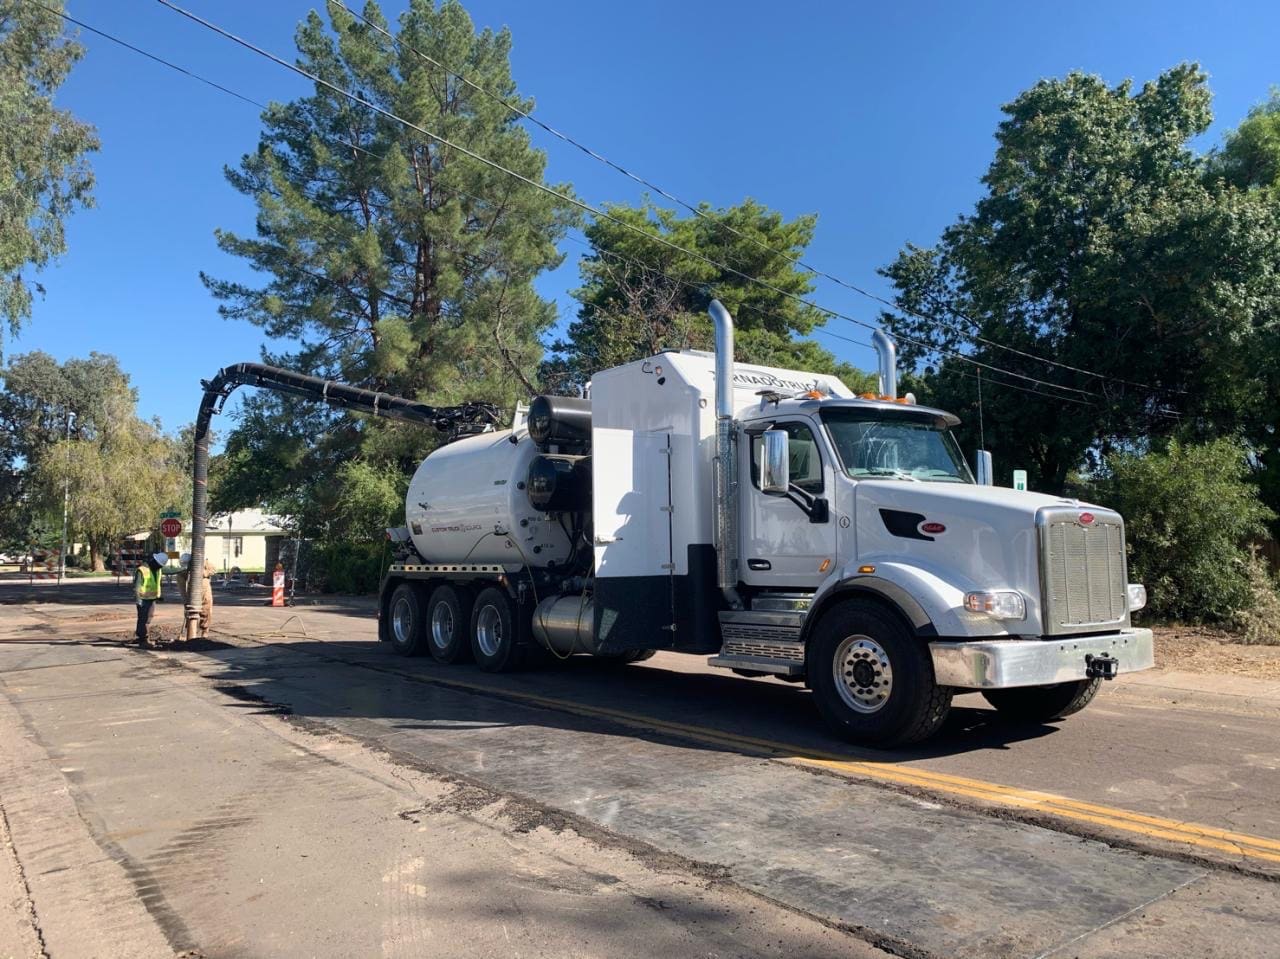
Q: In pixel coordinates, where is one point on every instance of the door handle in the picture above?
(759, 564)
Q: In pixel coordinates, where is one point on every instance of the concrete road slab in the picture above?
(155, 816)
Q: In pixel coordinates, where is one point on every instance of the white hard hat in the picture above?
(184, 559)
(161, 558)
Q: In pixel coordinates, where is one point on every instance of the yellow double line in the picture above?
(1047, 804)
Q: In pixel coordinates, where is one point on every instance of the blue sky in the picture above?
(877, 117)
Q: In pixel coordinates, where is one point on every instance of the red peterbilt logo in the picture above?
(933, 528)
(1086, 519)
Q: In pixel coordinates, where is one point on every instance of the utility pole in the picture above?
(66, 502)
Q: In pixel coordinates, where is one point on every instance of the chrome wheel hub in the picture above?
(442, 626)
(489, 630)
(864, 677)
(402, 622)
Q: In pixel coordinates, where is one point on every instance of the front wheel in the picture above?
(1043, 704)
(872, 680)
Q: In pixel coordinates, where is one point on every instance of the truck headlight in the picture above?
(1137, 597)
(1001, 604)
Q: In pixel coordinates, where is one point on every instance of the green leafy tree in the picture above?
(39, 400)
(639, 295)
(120, 470)
(391, 261)
(119, 480)
(1250, 161)
(1250, 157)
(44, 174)
(1099, 243)
(1190, 510)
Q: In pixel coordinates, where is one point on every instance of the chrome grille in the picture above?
(1083, 574)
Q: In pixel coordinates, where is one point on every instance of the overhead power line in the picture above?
(150, 56)
(607, 253)
(584, 206)
(690, 284)
(700, 287)
(702, 213)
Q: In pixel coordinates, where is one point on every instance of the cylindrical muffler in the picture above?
(560, 420)
(564, 624)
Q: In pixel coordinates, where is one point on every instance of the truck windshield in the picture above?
(871, 444)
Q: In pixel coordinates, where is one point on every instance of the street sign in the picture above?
(1020, 479)
(171, 527)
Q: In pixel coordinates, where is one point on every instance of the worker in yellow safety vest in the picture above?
(147, 592)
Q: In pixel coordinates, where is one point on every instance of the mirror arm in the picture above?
(815, 507)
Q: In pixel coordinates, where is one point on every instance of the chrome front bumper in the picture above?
(1000, 663)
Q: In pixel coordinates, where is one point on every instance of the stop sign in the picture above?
(171, 528)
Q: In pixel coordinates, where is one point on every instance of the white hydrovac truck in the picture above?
(775, 522)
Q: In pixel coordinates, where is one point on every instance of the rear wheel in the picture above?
(448, 622)
(1043, 704)
(872, 680)
(405, 613)
(494, 642)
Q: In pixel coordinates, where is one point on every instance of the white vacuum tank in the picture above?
(467, 503)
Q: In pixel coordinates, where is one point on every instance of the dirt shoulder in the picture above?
(1200, 649)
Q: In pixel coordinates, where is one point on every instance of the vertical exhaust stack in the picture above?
(726, 464)
(888, 355)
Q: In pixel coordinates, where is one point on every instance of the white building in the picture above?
(248, 540)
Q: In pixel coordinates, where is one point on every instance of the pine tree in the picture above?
(392, 261)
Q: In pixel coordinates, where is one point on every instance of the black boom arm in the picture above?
(446, 419)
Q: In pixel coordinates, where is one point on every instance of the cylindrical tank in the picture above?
(565, 624)
(560, 420)
(560, 484)
(467, 503)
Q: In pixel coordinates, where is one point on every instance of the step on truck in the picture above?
(779, 525)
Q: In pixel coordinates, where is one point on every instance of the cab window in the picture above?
(804, 460)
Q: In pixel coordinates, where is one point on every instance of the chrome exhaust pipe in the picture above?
(726, 463)
(887, 352)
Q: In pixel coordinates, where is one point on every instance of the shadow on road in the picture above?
(363, 679)
(357, 677)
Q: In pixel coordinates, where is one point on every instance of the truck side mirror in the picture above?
(986, 473)
(775, 462)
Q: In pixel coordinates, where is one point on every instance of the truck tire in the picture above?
(449, 625)
(405, 628)
(1043, 704)
(494, 642)
(872, 680)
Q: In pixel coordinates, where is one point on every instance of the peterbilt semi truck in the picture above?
(775, 523)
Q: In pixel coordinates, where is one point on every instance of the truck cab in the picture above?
(865, 540)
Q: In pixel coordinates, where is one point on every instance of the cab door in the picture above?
(783, 545)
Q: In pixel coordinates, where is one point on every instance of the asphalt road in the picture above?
(1145, 826)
